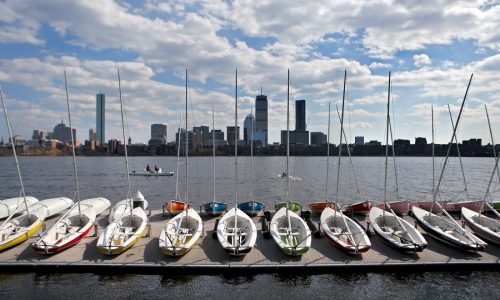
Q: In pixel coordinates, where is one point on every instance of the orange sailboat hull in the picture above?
(174, 207)
(318, 207)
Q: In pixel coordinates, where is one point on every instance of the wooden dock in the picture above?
(208, 257)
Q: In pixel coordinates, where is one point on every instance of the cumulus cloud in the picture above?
(420, 60)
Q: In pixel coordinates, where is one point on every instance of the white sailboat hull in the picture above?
(293, 239)
(54, 206)
(67, 231)
(236, 239)
(99, 204)
(120, 207)
(123, 233)
(447, 231)
(8, 206)
(181, 233)
(401, 235)
(334, 227)
(485, 227)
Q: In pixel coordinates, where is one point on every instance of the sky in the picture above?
(431, 47)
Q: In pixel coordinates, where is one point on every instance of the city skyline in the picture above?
(42, 39)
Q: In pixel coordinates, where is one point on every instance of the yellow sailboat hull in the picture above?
(115, 250)
(21, 237)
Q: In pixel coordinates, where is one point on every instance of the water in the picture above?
(46, 177)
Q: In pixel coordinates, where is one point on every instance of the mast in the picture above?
(213, 146)
(459, 156)
(288, 152)
(433, 164)
(496, 167)
(179, 141)
(327, 155)
(387, 143)
(125, 143)
(236, 150)
(446, 160)
(14, 151)
(492, 140)
(251, 158)
(73, 150)
(340, 143)
(187, 149)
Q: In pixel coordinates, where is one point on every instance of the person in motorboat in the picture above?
(157, 170)
(284, 175)
(148, 169)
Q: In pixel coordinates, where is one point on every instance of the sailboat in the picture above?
(485, 227)
(121, 206)
(126, 230)
(175, 206)
(445, 228)
(392, 229)
(318, 206)
(289, 230)
(236, 231)
(251, 207)
(73, 225)
(214, 208)
(16, 230)
(8, 206)
(180, 234)
(341, 230)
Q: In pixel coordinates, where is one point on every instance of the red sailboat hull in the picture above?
(64, 246)
(399, 207)
(359, 207)
(457, 206)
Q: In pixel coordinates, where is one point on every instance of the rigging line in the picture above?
(125, 114)
(459, 156)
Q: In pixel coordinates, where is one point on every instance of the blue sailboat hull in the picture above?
(215, 208)
(251, 208)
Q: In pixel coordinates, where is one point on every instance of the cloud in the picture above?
(378, 65)
(420, 60)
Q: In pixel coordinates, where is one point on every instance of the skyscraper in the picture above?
(359, 140)
(261, 116)
(100, 118)
(247, 128)
(230, 130)
(92, 135)
(159, 132)
(300, 115)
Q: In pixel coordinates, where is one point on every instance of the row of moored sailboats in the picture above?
(235, 229)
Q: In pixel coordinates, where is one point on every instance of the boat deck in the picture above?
(208, 256)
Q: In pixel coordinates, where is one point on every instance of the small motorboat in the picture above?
(151, 174)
